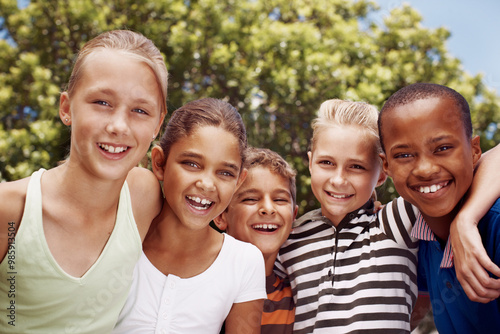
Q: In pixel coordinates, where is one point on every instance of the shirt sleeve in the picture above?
(254, 276)
(397, 219)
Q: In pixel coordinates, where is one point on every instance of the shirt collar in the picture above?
(422, 231)
(316, 215)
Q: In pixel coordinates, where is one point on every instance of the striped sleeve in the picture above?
(397, 220)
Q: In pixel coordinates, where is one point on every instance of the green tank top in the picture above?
(37, 296)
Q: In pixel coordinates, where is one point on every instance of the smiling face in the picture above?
(200, 175)
(345, 169)
(428, 154)
(114, 110)
(262, 211)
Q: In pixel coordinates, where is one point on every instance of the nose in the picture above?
(425, 167)
(117, 123)
(267, 207)
(338, 177)
(206, 183)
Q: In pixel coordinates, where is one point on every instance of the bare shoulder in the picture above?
(13, 196)
(145, 193)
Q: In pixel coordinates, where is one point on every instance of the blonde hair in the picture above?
(338, 112)
(132, 44)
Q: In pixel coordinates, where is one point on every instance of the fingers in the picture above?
(479, 288)
(474, 278)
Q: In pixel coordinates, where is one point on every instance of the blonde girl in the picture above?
(70, 236)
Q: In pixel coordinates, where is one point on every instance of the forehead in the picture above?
(345, 140)
(420, 119)
(428, 109)
(262, 178)
(211, 142)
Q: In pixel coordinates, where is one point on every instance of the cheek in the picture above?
(226, 191)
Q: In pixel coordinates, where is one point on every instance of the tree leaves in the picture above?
(276, 61)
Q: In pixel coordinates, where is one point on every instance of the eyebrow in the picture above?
(256, 191)
(247, 192)
(440, 138)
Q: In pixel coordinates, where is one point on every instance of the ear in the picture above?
(64, 108)
(158, 161)
(309, 155)
(295, 211)
(158, 128)
(476, 150)
(381, 178)
(242, 177)
(385, 164)
(221, 221)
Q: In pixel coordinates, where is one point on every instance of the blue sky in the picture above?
(474, 27)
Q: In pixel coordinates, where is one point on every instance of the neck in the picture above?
(440, 226)
(77, 190)
(167, 231)
(269, 260)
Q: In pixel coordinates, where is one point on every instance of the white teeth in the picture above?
(432, 189)
(199, 200)
(339, 196)
(113, 149)
(266, 226)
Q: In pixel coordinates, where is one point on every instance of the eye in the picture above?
(102, 103)
(443, 148)
(140, 111)
(249, 200)
(282, 200)
(190, 164)
(226, 173)
(358, 167)
(325, 162)
(402, 155)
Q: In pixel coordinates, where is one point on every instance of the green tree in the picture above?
(276, 60)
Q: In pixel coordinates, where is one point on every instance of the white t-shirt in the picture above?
(200, 304)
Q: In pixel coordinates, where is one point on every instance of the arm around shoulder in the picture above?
(470, 258)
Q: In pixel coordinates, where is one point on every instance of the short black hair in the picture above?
(420, 91)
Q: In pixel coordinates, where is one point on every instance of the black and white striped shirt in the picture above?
(358, 277)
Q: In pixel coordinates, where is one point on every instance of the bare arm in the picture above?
(146, 196)
(245, 318)
(471, 260)
(422, 307)
(13, 195)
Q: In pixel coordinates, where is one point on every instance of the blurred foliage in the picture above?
(275, 60)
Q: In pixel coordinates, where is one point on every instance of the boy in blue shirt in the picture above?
(426, 135)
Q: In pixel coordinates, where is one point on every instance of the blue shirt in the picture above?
(453, 311)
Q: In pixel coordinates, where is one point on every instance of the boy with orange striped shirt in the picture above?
(261, 212)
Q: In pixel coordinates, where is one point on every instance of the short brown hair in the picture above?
(263, 157)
